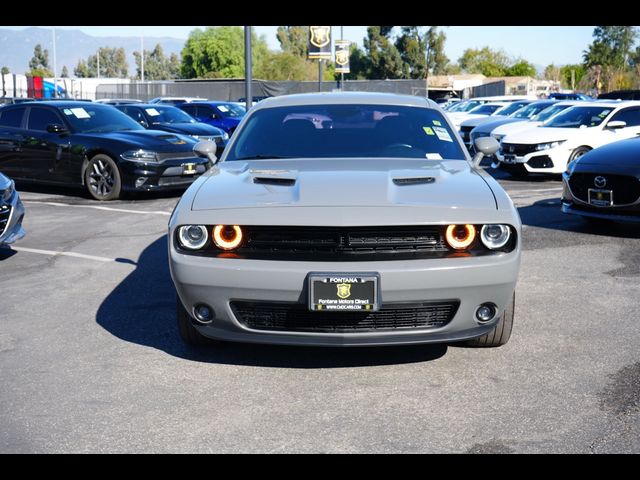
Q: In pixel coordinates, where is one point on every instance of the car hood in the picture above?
(148, 140)
(624, 154)
(532, 136)
(442, 185)
(491, 124)
(478, 120)
(188, 128)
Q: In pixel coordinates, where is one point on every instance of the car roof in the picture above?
(612, 104)
(60, 104)
(147, 105)
(341, 98)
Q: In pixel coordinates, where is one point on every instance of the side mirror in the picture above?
(206, 149)
(144, 123)
(485, 146)
(57, 128)
(616, 124)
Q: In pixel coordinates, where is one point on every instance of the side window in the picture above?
(205, 112)
(39, 118)
(629, 115)
(11, 117)
(190, 109)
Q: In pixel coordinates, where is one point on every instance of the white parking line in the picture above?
(63, 254)
(95, 207)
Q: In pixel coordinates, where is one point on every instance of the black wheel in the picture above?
(502, 331)
(187, 331)
(102, 178)
(578, 152)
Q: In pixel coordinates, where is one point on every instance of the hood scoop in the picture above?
(283, 182)
(413, 181)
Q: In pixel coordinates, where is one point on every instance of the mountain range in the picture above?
(16, 47)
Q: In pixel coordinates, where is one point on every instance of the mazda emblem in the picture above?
(600, 182)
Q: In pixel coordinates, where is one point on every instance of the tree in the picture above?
(294, 40)
(218, 52)
(438, 61)
(611, 47)
(491, 63)
(566, 75)
(113, 64)
(359, 64)
(4, 70)
(39, 63)
(551, 72)
(65, 72)
(156, 65)
(521, 68)
(384, 57)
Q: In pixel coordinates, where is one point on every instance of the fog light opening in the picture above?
(203, 313)
(486, 312)
(141, 181)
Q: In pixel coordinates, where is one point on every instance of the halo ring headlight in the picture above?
(227, 237)
(495, 236)
(193, 237)
(460, 237)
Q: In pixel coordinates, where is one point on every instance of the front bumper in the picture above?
(553, 160)
(471, 281)
(167, 175)
(11, 215)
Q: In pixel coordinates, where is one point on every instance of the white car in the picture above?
(485, 110)
(569, 135)
(533, 121)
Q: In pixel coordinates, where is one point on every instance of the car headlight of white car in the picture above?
(550, 145)
(7, 193)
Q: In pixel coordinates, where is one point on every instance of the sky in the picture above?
(539, 45)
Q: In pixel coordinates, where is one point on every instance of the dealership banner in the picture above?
(320, 42)
(342, 56)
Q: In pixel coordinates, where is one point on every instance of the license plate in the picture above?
(189, 169)
(510, 159)
(600, 198)
(344, 291)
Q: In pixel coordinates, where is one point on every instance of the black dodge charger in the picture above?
(605, 183)
(95, 146)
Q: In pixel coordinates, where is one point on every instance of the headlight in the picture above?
(460, 237)
(225, 136)
(227, 237)
(140, 156)
(8, 192)
(193, 237)
(495, 236)
(547, 146)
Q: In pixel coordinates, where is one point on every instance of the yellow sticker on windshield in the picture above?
(428, 130)
(437, 122)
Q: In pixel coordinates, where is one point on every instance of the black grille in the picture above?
(5, 212)
(625, 189)
(465, 133)
(542, 161)
(519, 150)
(346, 243)
(293, 317)
(176, 181)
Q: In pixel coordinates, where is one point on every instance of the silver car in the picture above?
(11, 213)
(372, 227)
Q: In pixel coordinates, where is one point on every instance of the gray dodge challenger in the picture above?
(345, 219)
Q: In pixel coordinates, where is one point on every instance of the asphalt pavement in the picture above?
(91, 361)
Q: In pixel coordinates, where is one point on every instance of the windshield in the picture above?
(231, 110)
(165, 114)
(529, 111)
(485, 109)
(470, 105)
(95, 118)
(511, 108)
(579, 117)
(346, 131)
(549, 112)
(455, 107)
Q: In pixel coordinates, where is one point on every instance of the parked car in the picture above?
(377, 231)
(11, 212)
(118, 101)
(473, 121)
(485, 110)
(171, 119)
(569, 135)
(620, 95)
(13, 100)
(224, 115)
(569, 96)
(94, 146)
(605, 183)
(176, 100)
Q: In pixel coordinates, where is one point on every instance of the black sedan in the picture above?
(95, 146)
(171, 119)
(605, 183)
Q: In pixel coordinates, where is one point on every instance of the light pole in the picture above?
(248, 74)
(142, 58)
(55, 66)
(426, 70)
(98, 64)
(341, 73)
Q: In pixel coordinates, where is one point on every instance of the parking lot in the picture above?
(90, 358)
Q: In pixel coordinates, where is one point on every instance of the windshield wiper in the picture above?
(263, 157)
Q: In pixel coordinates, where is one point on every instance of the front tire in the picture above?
(187, 331)
(577, 153)
(502, 331)
(102, 178)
